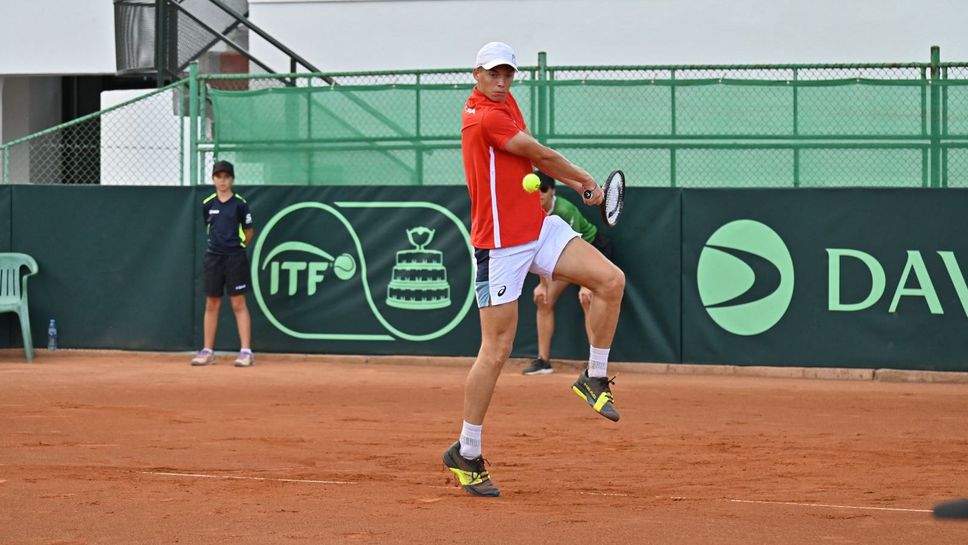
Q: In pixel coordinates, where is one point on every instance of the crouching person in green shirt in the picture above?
(547, 292)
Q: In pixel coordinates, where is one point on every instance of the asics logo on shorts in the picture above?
(501, 291)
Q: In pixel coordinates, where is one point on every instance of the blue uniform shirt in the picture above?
(224, 223)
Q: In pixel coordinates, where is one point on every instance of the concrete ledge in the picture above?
(515, 364)
(939, 377)
(815, 373)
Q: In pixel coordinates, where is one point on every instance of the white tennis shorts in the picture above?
(501, 271)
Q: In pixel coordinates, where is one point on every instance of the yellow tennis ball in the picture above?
(531, 182)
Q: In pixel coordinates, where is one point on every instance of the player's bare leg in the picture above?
(242, 320)
(498, 326)
(244, 323)
(580, 263)
(463, 458)
(546, 296)
(212, 306)
(206, 356)
(585, 300)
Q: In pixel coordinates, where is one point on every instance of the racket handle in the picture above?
(587, 194)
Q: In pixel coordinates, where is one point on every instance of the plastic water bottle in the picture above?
(52, 336)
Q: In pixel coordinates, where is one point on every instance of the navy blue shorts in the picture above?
(225, 274)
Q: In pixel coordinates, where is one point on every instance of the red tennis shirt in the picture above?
(502, 213)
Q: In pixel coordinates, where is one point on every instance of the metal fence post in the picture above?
(672, 122)
(542, 97)
(181, 133)
(193, 122)
(419, 153)
(935, 116)
(796, 129)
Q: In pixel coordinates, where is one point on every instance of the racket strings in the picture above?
(611, 200)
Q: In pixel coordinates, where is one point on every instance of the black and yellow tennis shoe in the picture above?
(598, 394)
(472, 474)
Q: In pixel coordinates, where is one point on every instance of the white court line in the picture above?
(604, 494)
(242, 478)
(733, 500)
(796, 504)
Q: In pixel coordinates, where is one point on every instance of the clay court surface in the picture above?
(128, 448)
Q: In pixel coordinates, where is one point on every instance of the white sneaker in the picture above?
(204, 357)
(245, 359)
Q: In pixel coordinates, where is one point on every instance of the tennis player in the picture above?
(512, 235)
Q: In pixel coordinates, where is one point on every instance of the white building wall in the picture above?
(48, 37)
(56, 37)
(77, 36)
(351, 35)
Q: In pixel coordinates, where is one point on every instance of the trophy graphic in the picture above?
(419, 280)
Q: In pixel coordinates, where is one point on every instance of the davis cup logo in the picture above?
(745, 277)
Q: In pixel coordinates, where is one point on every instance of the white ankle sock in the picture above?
(597, 361)
(470, 440)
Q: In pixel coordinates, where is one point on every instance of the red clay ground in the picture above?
(96, 448)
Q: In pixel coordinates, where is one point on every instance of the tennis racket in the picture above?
(614, 200)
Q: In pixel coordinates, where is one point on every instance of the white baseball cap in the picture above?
(495, 54)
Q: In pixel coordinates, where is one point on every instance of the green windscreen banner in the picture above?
(390, 270)
(9, 326)
(851, 277)
(116, 264)
(361, 271)
(816, 277)
(6, 211)
(335, 269)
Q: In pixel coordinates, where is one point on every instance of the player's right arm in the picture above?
(555, 165)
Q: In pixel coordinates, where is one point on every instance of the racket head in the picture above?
(614, 200)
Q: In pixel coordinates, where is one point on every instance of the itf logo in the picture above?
(745, 277)
(337, 271)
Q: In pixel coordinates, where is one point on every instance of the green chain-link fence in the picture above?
(876, 125)
(387, 128)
